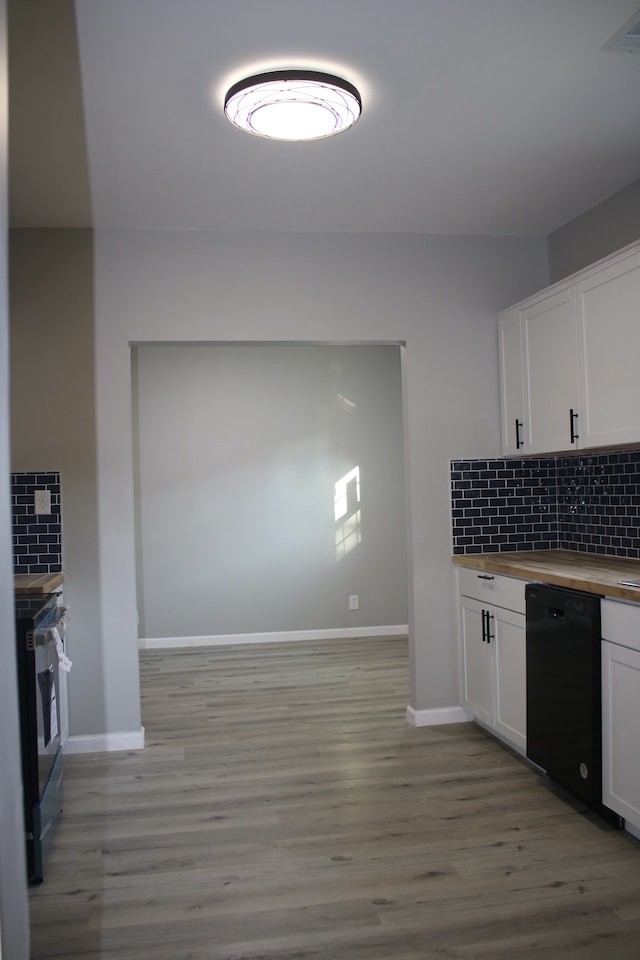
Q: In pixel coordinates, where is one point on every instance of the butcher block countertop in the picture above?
(593, 573)
(38, 583)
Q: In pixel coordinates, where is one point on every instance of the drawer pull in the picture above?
(485, 576)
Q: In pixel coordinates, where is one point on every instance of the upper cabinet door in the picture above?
(609, 334)
(511, 383)
(550, 336)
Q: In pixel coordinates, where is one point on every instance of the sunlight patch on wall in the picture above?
(348, 517)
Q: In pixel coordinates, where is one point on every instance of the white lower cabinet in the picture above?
(621, 710)
(493, 653)
(510, 653)
(477, 661)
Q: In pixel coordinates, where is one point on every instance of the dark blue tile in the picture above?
(47, 557)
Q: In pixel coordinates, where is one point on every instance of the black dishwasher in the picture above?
(564, 712)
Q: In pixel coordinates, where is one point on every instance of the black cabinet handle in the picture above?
(484, 626)
(489, 634)
(485, 576)
(572, 418)
(519, 442)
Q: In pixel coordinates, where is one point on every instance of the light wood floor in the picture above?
(284, 810)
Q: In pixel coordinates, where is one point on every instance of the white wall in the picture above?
(438, 294)
(14, 917)
(238, 451)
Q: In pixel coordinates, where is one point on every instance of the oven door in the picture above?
(47, 694)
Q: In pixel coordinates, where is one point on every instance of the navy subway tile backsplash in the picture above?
(37, 538)
(500, 505)
(589, 503)
(599, 503)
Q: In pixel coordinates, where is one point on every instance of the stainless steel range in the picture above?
(40, 733)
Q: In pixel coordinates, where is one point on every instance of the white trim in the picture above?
(632, 829)
(105, 742)
(437, 716)
(162, 643)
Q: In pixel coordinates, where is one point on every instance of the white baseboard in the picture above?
(437, 716)
(165, 643)
(632, 829)
(105, 742)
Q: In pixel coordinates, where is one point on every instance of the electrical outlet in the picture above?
(42, 501)
(353, 601)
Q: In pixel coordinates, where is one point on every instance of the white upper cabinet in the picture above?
(552, 389)
(568, 362)
(512, 382)
(609, 332)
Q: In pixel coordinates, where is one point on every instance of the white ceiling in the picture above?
(479, 116)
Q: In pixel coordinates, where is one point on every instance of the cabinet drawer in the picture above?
(621, 623)
(492, 588)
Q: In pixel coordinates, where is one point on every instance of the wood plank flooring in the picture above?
(284, 810)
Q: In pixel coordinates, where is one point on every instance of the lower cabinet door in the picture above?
(510, 649)
(477, 668)
(620, 726)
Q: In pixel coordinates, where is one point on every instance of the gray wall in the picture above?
(598, 232)
(53, 428)
(14, 917)
(439, 294)
(239, 450)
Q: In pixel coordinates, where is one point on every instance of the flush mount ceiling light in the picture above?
(293, 105)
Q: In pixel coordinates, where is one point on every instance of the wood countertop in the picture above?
(36, 583)
(593, 573)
